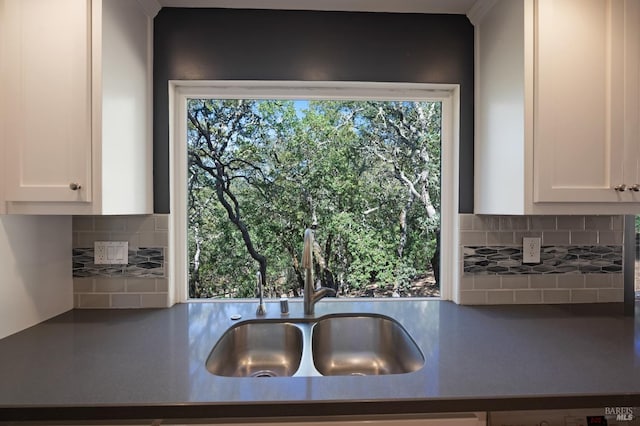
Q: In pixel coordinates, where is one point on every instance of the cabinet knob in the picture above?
(74, 186)
(620, 188)
(635, 187)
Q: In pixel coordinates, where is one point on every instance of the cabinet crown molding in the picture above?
(151, 7)
(479, 10)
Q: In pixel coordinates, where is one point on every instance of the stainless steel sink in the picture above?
(333, 345)
(257, 349)
(363, 345)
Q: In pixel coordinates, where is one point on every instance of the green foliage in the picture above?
(353, 169)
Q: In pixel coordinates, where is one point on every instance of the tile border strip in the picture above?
(144, 262)
(575, 259)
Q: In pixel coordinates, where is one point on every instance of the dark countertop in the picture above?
(99, 364)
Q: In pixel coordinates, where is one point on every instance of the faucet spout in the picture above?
(311, 295)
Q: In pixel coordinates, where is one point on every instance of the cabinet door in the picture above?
(578, 101)
(47, 76)
(632, 97)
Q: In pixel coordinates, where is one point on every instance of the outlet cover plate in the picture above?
(111, 252)
(531, 250)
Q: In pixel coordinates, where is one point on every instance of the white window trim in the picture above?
(180, 91)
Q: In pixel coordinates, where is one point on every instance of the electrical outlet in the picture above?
(531, 250)
(111, 253)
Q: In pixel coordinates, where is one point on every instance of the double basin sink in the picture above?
(333, 345)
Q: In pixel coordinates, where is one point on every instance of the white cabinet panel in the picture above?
(125, 106)
(500, 120)
(48, 81)
(632, 95)
(577, 146)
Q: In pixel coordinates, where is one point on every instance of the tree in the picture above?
(364, 174)
(402, 135)
(226, 136)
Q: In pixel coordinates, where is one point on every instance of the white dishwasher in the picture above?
(452, 419)
(607, 416)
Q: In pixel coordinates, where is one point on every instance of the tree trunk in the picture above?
(194, 284)
(297, 271)
(404, 228)
(233, 212)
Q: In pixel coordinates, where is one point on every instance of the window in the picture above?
(364, 164)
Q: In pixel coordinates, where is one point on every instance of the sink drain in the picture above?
(264, 373)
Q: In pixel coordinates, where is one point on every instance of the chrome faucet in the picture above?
(262, 310)
(311, 295)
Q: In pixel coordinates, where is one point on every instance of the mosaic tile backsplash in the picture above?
(580, 260)
(142, 283)
(143, 263)
(503, 260)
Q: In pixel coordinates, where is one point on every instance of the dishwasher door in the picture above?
(609, 416)
(445, 419)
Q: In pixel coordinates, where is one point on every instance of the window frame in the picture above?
(182, 90)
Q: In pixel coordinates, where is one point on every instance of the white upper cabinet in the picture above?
(48, 97)
(76, 106)
(632, 95)
(557, 107)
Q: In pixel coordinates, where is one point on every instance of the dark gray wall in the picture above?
(232, 44)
